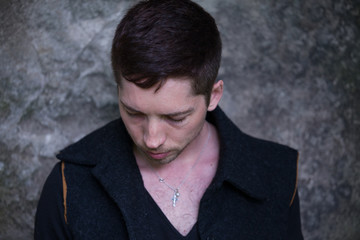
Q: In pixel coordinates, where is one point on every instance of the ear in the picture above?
(216, 94)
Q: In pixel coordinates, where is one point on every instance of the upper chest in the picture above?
(179, 201)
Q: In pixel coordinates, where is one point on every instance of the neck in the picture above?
(184, 161)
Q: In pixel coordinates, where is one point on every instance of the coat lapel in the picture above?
(109, 151)
(127, 190)
(119, 174)
(236, 159)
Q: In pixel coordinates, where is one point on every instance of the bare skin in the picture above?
(169, 130)
(184, 215)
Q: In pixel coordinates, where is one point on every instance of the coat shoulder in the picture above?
(97, 145)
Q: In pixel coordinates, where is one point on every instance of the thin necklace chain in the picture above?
(176, 194)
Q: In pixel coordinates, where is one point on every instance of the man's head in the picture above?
(165, 56)
(159, 39)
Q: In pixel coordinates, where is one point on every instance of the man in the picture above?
(174, 166)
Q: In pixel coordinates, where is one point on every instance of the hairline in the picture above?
(160, 83)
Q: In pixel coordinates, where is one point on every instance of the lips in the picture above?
(158, 155)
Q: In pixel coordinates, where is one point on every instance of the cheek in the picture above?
(188, 132)
(133, 128)
(136, 135)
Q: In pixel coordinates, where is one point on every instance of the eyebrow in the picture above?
(173, 114)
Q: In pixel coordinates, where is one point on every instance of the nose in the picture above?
(154, 135)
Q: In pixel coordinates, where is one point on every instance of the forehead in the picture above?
(174, 95)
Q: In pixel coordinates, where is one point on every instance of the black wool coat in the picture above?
(97, 191)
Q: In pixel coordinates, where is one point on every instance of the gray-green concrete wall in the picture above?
(291, 71)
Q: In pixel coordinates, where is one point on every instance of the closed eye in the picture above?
(176, 120)
(134, 114)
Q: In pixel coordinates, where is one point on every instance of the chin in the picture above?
(163, 161)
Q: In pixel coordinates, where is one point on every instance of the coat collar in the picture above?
(239, 164)
(109, 149)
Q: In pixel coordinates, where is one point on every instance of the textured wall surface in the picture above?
(291, 72)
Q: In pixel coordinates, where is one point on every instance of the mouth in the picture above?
(158, 156)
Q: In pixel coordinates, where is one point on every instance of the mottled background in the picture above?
(291, 70)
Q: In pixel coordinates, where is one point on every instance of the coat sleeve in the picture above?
(294, 223)
(50, 219)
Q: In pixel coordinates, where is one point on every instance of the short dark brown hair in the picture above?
(158, 39)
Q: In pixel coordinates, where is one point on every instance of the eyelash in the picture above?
(176, 120)
(133, 114)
